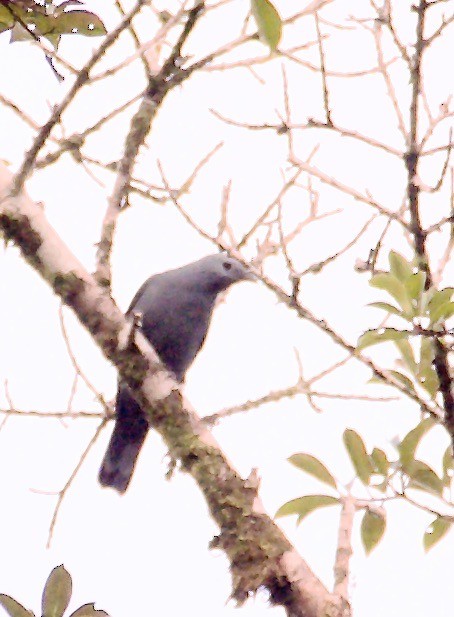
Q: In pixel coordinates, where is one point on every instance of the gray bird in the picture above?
(175, 309)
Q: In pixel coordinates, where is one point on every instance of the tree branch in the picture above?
(259, 553)
(158, 87)
(81, 79)
(419, 234)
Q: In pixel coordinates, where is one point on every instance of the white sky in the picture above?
(147, 552)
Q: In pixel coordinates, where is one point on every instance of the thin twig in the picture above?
(286, 128)
(82, 78)
(65, 489)
(383, 66)
(317, 267)
(159, 85)
(76, 140)
(323, 73)
(300, 388)
(262, 218)
(73, 359)
(326, 179)
(35, 413)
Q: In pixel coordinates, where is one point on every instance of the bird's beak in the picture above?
(250, 276)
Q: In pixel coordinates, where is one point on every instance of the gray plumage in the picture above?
(175, 308)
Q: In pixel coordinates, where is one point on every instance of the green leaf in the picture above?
(382, 486)
(368, 338)
(373, 337)
(426, 375)
(448, 466)
(429, 381)
(438, 299)
(415, 285)
(64, 5)
(400, 377)
(13, 608)
(88, 610)
(409, 443)
(54, 40)
(435, 532)
(408, 356)
(36, 17)
(389, 283)
(358, 455)
(373, 527)
(78, 22)
(385, 306)
(427, 353)
(313, 466)
(380, 460)
(6, 19)
(424, 477)
(403, 379)
(302, 506)
(268, 22)
(399, 266)
(425, 299)
(442, 312)
(57, 593)
(19, 33)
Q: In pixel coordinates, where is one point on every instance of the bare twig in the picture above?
(76, 366)
(76, 141)
(35, 413)
(323, 73)
(262, 218)
(377, 33)
(317, 267)
(366, 199)
(82, 78)
(300, 388)
(159, 85)
(133, 33)
(67, 486)
(286, 128)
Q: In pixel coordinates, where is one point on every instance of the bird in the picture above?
(174, 310)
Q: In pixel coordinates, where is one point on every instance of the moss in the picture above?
(251, 541)
(68, 286)
(18, 229)
(134, 368)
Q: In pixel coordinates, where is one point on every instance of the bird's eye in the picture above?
(227, 265)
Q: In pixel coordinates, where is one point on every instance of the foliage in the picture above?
(385, 479)
(423, 311)
(55, 599)
(29, 20)
(268, 22)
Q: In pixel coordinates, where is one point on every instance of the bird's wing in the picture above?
(146, 286)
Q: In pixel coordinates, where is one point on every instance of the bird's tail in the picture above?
(129, 433)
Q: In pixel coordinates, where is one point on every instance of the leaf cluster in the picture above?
(55, 599)
(379, 475)
(423, 311)
(27, 20)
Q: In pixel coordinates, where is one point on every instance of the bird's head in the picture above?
(220, 271)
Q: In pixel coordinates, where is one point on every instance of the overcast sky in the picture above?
(147, 551)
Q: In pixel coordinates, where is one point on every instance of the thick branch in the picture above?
(259, 553)
(344, 550)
